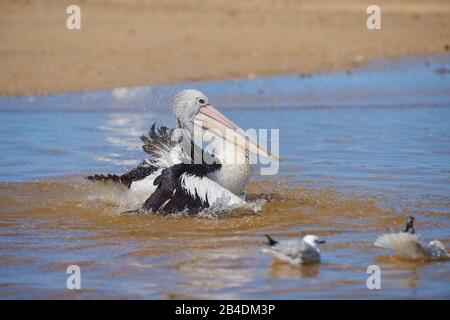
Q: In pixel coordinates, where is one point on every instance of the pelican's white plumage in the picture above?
(209, 191)
(295, 252)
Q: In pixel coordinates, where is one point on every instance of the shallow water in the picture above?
(361, 151)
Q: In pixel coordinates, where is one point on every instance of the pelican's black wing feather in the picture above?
(157, 140)
(138, 173)
(170, 197)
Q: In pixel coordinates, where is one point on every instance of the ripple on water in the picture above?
(361, 152)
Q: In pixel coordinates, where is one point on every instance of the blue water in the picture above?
(384, 126)
(378, 134)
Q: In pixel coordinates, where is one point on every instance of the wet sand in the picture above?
(129, 43)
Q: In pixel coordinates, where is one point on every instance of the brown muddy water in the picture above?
(362, 150)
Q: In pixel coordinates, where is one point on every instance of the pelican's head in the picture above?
(192, 109)
(186, 106)
(313, 240)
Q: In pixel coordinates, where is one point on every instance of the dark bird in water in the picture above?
(179, 175)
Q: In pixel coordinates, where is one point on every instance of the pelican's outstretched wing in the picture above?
(167, 149)
(158, 144)
(138, 173)
(186, 187)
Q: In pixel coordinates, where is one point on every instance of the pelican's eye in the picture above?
(202, 101)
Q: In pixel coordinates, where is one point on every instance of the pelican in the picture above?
(182, 175)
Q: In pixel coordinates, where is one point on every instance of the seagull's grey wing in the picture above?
(405, 245)
(291, 248)
(307, 253)
(294, 252)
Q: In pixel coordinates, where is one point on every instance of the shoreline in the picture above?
(361, 66)
(296, 90)
(121, 91)
(145, 43)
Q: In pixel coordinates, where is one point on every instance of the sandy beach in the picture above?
(132, 43)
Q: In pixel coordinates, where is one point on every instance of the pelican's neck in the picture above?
(235, 171)
(227, 152)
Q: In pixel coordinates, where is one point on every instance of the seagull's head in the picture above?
(313, 240)
(195, 115)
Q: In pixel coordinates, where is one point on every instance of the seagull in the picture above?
(408, 245)
(295, 252)
(181, 173)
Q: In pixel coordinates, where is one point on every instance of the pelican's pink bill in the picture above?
(214, 120)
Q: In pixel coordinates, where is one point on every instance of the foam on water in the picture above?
(121, 197)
